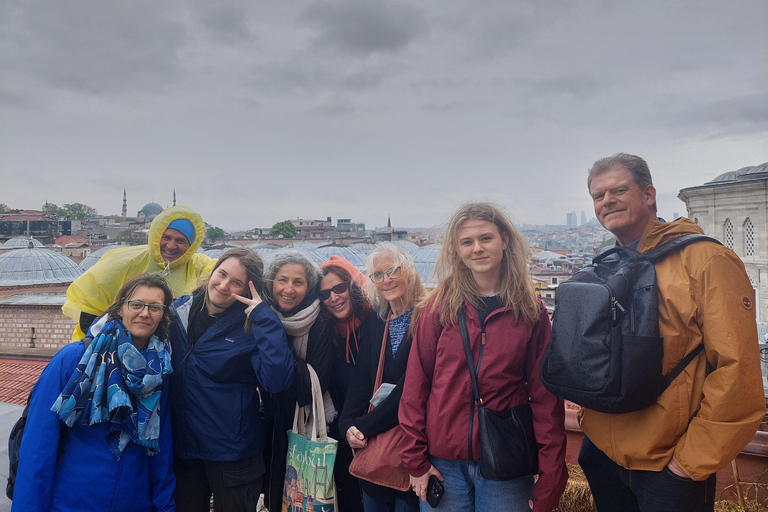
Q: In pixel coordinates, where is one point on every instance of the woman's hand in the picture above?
(356, 439)
(254, 301)
(419, 484)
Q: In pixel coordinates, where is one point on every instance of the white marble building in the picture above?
(734, 209)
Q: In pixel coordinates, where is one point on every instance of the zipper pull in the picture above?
(616, 305)
(483, 337)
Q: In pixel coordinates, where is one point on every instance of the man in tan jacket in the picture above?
(664, 457)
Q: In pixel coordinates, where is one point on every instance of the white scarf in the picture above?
(298, 327)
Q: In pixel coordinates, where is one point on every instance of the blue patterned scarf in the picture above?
(116, 382)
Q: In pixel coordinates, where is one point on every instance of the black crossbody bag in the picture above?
(507, 443)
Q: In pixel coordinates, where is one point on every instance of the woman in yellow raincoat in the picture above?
(174, 237)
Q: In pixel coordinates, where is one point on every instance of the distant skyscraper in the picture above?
(570, 219)
(583, 218)
(125, 206)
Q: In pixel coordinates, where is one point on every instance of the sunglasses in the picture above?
(338, 290)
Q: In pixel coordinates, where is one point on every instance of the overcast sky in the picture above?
(260, 111)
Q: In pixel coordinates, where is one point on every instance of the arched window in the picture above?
(749, 238)
(728, 232)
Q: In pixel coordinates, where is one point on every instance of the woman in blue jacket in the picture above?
(105, 445)
(226, 343)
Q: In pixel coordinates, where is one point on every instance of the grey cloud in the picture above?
(226, 22)
(365, 27)
(96, 47)
(304, 75)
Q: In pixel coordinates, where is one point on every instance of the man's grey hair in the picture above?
(634, 164)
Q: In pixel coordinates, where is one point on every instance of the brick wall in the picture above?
(51, 328)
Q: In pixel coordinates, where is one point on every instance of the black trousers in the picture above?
(617, 489)
(235, 485)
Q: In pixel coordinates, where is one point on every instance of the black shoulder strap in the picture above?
(681, 366)
(662, 250)
(472, 374)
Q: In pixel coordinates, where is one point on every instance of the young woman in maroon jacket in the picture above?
(482, 274)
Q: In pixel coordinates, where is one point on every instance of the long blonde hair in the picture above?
(456, 283)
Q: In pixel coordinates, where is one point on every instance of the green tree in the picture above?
(3, 207)
(214, 233)
(79, 211)
(286, 229)
(54, 209)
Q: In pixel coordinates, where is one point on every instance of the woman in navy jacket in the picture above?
(226, 343)
(74, 455)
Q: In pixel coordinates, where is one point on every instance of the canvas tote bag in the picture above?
(309, 484)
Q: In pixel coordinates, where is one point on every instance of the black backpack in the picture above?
(14, 440)
(606, 352)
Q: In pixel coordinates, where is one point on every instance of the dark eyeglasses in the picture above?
(338, 290)
(393, 273)
(137, 307)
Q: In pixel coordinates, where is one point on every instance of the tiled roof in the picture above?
(17, 376)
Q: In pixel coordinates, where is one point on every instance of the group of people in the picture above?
(166, 402)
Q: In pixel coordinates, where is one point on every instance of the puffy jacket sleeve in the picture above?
(40, 443)
(416, 389)
(273, 362)
(548, 423)
(733, 403)
(161, 478)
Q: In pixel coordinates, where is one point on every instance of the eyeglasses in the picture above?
(392, 272)
(137, 307)
(338, 290)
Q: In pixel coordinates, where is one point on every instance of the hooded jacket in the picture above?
(214, 384)
(73, 469)
(95, 290)
(703, 419)
(435, 404)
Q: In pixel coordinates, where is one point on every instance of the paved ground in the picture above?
(9, 413)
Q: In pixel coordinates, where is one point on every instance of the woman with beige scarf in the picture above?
(291, 283)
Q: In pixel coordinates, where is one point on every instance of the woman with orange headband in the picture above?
(346, 310)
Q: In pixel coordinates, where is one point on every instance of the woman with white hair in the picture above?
(394, 290)
(291, 289)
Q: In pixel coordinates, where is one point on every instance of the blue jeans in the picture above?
(396, 505)
(617, 488)
(467, 491)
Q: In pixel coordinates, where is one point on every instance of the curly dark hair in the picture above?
(150, 281)
(356, 295)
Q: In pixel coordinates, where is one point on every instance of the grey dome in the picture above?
(425, 258)
(352, 255)
(95, 256)
(405, 245)
(758, 172)
(23, 267)
(21, 242)
(365, 247)
(151, 210)
(314, 256)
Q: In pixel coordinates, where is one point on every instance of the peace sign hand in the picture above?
(252, 302)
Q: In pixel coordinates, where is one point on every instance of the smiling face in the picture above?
(621, 206)
(228, 278)
(481, 247)
(143, 323)
(173, 244)
(289, 287)
(391, 290)
(339, 305)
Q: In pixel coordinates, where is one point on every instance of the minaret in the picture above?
(389, 224)
(174, 197)
(125, 206)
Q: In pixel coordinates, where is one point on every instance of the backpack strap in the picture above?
(677, 370)
(662, 250)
